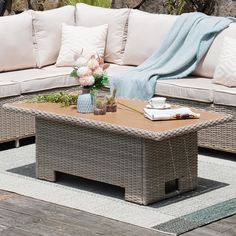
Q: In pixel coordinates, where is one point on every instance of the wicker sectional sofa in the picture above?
(32, 42)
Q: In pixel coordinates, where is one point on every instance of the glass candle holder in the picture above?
(100, 105)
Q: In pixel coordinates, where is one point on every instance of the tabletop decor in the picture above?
(170, 114)
(100, 104)
(111, 105)
(63, 98)
(91, 75)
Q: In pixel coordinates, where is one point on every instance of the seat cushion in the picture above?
(146, 33)
(224, 95)
(34, 80)
(8, 88)
(191, 88)
(207, 65)
(116, 19)
(16, 42)
(114, 69)
(47, 29)
(64, 70)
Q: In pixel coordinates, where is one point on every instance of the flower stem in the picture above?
(131, 108)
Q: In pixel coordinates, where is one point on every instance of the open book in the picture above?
(170, 114)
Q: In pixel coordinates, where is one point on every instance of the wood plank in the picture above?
(230, 220)
(230, 232)
(51, 219)
(11, 231)
(4, 196)
(2, 227)
(222, 225)
(34, 224)
(24, 216)
(2, 192)
(11, 218)
(202, 231)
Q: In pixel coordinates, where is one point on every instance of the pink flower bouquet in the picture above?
(91, 73)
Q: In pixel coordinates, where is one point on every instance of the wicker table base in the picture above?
(148, 170)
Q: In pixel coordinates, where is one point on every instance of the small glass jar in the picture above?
(100, 105)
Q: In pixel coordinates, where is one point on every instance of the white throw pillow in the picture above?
(16, 42)
(77, 39)
(117, 19)
(225, 73)
(47, 30)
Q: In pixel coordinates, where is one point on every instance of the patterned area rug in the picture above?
(213, 199)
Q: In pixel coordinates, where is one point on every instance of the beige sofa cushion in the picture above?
(17, 51)
(8, 88)
(47, 30)
(78, 39)
(224, 95)
(64, 70)
(191, 88)
(208, 64)
(115, 18)
(34, 80)
(146, 33)
(114, 69)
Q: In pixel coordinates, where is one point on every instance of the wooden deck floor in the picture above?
(24, 216)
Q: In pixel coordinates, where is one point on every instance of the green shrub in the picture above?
(100, 3)
(175, 7)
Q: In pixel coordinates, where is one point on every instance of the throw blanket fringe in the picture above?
(188, 40)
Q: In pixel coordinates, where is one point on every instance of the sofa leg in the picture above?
(17, 143)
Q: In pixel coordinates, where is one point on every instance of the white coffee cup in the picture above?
(157, 102)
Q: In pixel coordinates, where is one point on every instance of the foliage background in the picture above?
(102, 3)
(222, 7)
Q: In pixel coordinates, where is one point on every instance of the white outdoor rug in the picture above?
(213, 199)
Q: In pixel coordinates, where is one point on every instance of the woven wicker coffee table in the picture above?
(151, 160)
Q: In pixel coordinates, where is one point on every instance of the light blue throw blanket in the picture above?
(188, 40)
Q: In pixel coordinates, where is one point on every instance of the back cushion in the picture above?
(16, 42)
(47, 29)
(146, 32)
(208, 64)
(115, 18)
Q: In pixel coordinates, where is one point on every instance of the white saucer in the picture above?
(166, 106)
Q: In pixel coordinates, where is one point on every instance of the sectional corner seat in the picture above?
(27, 64)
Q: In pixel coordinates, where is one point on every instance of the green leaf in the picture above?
(74, 73)
(63, 98)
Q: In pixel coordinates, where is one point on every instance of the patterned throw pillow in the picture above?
(77, 40)
(225, 73)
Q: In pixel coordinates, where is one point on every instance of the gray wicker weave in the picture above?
(15, 125)
(220, 137)
(141, 166)
(150, 165)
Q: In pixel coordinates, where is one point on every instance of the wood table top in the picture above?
(124, 117)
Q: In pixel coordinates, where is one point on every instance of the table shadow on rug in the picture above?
(75, 182)
(204, 185)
